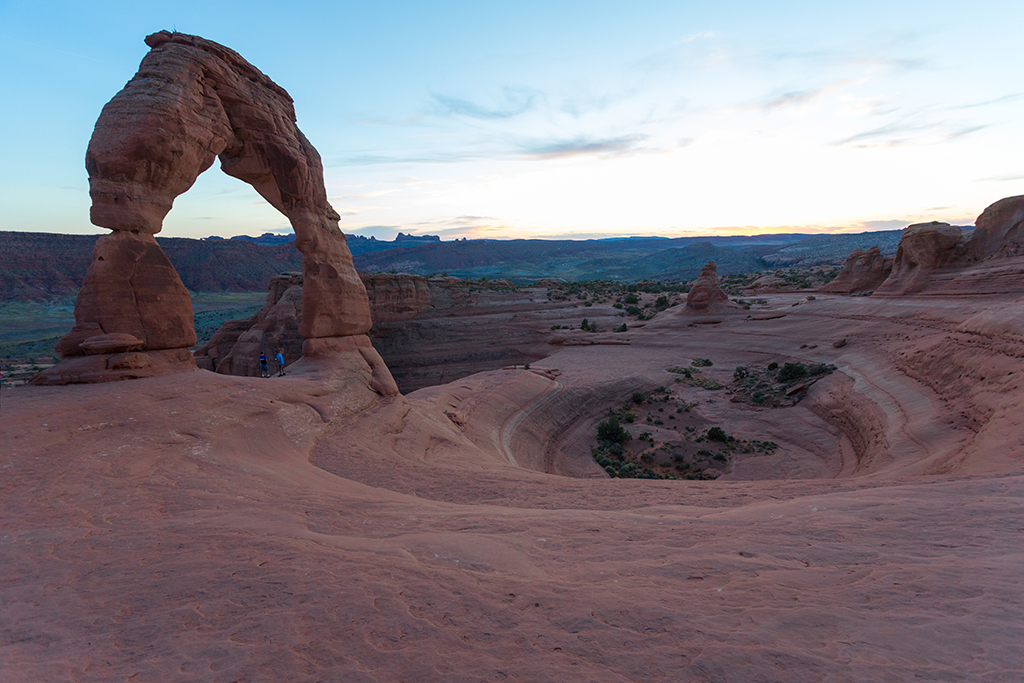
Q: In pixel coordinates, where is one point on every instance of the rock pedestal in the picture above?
(706, 295)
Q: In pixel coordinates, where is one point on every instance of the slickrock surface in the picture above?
(864, 271)
(193, 101)
(203, 527)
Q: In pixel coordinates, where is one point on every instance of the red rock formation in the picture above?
(766, 284)
(706, 295)
(396, 297)
(999, 230)
(236, 347)
(192, 101)
(864, 271)
(924, 249)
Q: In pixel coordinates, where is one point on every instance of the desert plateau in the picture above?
(748, 470)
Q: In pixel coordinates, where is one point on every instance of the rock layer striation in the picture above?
(864, 271)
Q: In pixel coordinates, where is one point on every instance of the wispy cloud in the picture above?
(1003, 178)
(583, 145)
(911, 130)
(514, 101)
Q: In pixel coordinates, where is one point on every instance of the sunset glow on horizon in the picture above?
(572, 120)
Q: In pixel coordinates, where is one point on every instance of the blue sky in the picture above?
(554, 119)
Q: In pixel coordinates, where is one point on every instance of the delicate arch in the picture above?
(192, 101)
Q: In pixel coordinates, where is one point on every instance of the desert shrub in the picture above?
(645, 436)
(629, 417)
(719, 457)
(621, 328)
(585, 325)
(740, 373)
(631, 299)
(758, 397)
(611, 430)
(661, 302)
(633, 310)
(717, 434)
(616, 450)
(791, 372)
(816, 369)
(637, 397)
(588, 303)
(701, 363)
(773, 365)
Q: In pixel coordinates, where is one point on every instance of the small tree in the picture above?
(791, 372)
(611, 430)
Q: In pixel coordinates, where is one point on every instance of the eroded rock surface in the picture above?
(865, 271)
(999, 230)
(396, 296)
(235, 348)
(192, 101)
(706, 295)
(924, 249)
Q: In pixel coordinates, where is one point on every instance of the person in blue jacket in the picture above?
(279, 359)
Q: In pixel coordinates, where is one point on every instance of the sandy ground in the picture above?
(201, 527)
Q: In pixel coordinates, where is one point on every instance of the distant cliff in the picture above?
(38, 266)
(43, 265)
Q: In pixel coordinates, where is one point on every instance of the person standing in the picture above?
(279, 359)
(264, 367)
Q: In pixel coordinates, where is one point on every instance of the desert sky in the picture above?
(563, 119)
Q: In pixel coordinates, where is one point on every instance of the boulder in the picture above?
(865, 271)
(767, 283)
(924, 249)
(706, 295)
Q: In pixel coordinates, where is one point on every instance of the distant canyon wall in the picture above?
(428, 330)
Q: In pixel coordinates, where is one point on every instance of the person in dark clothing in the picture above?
(264, 367)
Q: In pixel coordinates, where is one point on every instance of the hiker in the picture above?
(279, 359)
(264, 368)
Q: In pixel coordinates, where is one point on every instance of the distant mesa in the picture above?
(192, 101)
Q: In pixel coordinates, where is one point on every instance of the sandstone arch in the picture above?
(193, 101)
